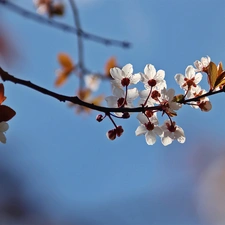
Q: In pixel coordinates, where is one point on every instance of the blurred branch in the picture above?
(80, 45)
(38, 18)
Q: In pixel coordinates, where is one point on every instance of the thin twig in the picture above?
(62, 26)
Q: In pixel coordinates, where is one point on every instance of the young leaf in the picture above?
(110, 64)
(220, 80)
(6, 113)
(65, 60)
(61, 78)
(212, 75)
(220, 68)
(67, 68)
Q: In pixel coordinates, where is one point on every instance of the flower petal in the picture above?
(150, 138)
(205, 61)
(127, 70)
(166, 140)
(142, 118)
(116, 73)
(158, 131)
(135, 78)
(132, 93)
(118, 92)
(198, 78)
(179, 79)
(2, 138)
(160, 75)
(170, 94)
(3, 127)
(179, 135)
(140, 130)
(144, 93)
(150, 71)
(116, 83)
(190, 72)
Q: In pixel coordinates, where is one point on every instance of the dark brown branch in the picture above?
(196, 99)
(38, 18)
(77, 101)
(73, 99)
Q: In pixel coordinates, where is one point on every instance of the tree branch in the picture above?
(40, 19)
(77, 101)
(73, 99)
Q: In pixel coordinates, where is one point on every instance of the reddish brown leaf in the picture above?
(2, 97)
(6, 113)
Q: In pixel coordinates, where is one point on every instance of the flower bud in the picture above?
(99, 118)
(111, 134)
(205, 106)
(119, 131)
(126, 115)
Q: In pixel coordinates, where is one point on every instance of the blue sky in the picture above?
(68, 165)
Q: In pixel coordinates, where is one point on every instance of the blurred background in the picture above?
(58, 167)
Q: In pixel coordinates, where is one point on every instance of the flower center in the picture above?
(149, 126)
(152, 83)
(125, 82)
(189, 82)
(171, 127)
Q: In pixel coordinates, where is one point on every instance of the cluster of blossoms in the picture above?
(156, 98)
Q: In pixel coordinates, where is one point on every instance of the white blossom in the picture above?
(204, 104)
(145, 98)
(167, 100)
(118, 99)
(203, 64)
(124, 77)
(190, 80)
(171, 132)
(148, 127)
(152, 78)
